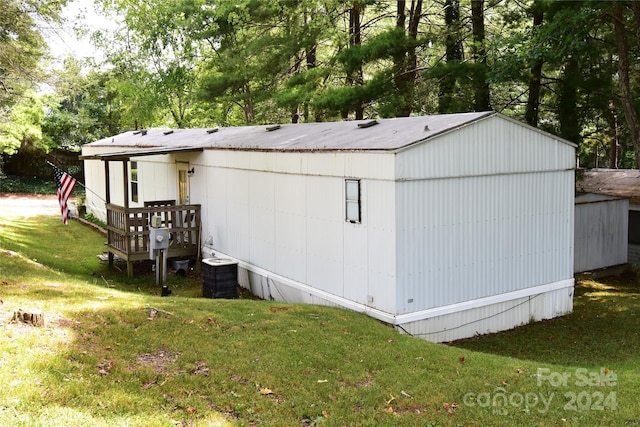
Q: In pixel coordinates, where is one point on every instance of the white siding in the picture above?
(494, 145)
(468, 238)
(364, 165)
(484, 210)
(157, 180)
(601, 230)
(293, 224)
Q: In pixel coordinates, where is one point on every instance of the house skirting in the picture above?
(634, 254)
(441, 324)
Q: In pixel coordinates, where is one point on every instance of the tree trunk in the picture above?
(535, 81)
(482, 100)
(405, 63)
(636, 14)
(453, 55)
(295, 110)
(248, 105)
(355, 39)
(311, 55)
(32, 317)
(626, 95)
(568, 102)
(613, 138)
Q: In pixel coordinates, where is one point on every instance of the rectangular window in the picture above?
(134, 181)
(352, 195)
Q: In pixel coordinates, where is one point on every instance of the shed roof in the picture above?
(380, 134)
(612, 182)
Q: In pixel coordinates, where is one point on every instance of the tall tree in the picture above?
(22, 47)
(624, 81)
(535, 80)
(355, 76)
(481, 91)
(453, 56)
(406, 60)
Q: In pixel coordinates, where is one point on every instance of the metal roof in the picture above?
(586, 198)
(380, 134)
(612, 182)
(126, 155)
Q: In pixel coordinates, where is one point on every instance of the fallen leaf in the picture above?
(346, 332)
(390, 340)
(390, 410)
(191, 410)
(105, 367)
(325, 414)
(265, 391)
(503, 382)
(519, 371)
(449, 408)
(461, 359)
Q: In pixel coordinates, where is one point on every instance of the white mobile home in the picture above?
(444, 226)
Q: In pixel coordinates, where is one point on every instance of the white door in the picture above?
(183, 183)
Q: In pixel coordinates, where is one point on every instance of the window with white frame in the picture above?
(134, 181)
(352, 204)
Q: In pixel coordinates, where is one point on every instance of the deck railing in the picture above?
(128, 230)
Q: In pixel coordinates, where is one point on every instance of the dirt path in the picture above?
(14, 205)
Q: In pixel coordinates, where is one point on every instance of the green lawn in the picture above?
(106, 358)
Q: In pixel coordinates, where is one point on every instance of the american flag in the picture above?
(65, 184)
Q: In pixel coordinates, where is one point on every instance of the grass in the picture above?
(106, 358)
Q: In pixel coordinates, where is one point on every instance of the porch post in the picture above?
(127, 224)
(107, 196)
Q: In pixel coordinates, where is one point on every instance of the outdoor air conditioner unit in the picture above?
(219, 278)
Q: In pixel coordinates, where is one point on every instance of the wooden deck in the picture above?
(128, 230)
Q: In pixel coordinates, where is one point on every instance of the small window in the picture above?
(352, 195)
(134, 181)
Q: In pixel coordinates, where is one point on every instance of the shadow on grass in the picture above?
(603, 328)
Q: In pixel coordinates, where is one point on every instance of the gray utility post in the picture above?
(158, 244)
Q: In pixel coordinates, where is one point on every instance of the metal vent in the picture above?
(367, 124)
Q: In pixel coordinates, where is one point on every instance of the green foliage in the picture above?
(23, 126)
(22, 45)
(92, 219)
(29, 185)
(194, 63)
(385, 45)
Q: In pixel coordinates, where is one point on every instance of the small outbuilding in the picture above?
(618, 184)
(443, 226)
(601, 228)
